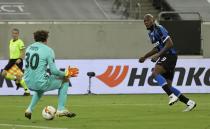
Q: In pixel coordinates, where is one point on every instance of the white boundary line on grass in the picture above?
(29, 126)
(118, 104)
(11, 3)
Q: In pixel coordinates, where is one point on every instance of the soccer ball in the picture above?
(48, 113)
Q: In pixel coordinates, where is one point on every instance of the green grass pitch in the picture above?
(108, 112)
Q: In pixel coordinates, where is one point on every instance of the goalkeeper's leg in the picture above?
(62, 85)
(36, 97)
(62, 98)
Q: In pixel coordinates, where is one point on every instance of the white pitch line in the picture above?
(11, 3)
(119, 104)
(98, 5)
(107, 105)
(127, 104)
(29, 126)
(15, 13)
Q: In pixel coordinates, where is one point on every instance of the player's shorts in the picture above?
(168, 62)
(12, 62)
(53, 83)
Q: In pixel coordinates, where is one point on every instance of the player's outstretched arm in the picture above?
(55, 71)
(148, 54)
(69, 72)
(52, 66)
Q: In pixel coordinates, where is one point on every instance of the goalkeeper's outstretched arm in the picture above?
(55, 71)
(69, 72)
(52, 66)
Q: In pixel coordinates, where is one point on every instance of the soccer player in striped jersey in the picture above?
(165, 57)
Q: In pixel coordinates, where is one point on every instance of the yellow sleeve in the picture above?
(21, 45)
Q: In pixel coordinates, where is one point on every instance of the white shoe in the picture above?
(172, 99)
(190, 106)
(65, 113)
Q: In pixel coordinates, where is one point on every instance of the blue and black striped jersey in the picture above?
(158, 37)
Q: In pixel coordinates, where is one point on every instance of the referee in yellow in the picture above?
(16, 48)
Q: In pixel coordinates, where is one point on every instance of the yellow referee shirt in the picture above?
(15, 47)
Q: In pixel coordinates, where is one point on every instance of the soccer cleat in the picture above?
(172, 99)
(190, 106)
(26, 93)
(28, 115)
(65, 113)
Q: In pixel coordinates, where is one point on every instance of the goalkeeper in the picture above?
(38, 57)
(16, 48)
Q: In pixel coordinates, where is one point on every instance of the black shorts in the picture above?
(168, 62)
(12, 62)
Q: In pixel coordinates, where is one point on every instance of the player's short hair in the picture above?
(41, 35)
(16, 29)
(148, 16)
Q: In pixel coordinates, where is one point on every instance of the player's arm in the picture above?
(55, 71)
(52, 66)
(163, 33)
(168, 45)
(69, 72)
(148, 54)
(22, 52)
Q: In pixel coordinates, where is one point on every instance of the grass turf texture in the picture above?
(110, 112)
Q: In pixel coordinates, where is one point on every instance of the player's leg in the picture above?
(21, 81)
(169, 65)
(62, 85)
(10, 77)
(36, 97)
(17, 80)
(157, 74)
(7, 67)
(62, 98)
(25, 87)
(190, 103)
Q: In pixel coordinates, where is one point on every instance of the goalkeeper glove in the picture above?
(71, 72)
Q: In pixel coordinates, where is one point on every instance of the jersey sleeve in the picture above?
(52, 66)
(21, 45)
(163, 34)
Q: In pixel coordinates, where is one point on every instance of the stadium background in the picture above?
(100, 28)
(92, 30)
(96, 34)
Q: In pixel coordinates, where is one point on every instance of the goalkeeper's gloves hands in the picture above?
(71, 72)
